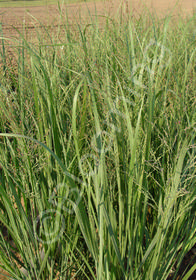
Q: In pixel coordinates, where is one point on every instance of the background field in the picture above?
(48, 15)
(30, 3)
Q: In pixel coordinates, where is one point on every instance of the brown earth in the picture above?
(49, 16)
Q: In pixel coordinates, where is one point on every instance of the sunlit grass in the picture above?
(97, 152)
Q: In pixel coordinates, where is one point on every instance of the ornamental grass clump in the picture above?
(97, 152)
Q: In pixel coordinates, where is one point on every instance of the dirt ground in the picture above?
(49, 16)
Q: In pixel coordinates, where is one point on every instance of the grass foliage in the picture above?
(97, 151)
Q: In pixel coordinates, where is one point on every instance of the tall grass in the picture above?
(98, 153)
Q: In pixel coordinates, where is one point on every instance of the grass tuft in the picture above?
(97, 151)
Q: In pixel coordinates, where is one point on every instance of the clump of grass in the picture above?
(98, 153)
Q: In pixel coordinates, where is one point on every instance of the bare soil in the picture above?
(49, 15)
